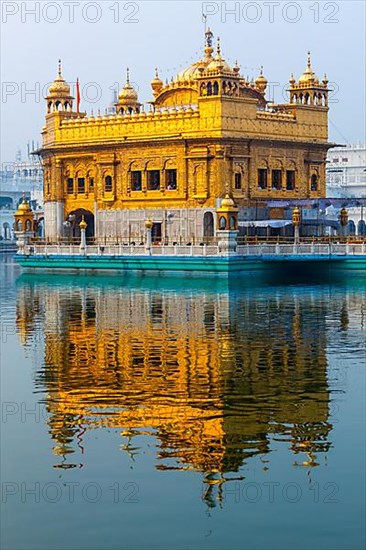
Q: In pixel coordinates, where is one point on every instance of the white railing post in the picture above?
(148, 244)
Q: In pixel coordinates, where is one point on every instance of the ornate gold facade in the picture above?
(208, 132)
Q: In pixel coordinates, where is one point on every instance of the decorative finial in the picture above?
(128, 75)
(261, 71)
(236, 67)
(156, 72)
(309, 60)
(209, 37)
(83, 225)
(218, 47)
(59, 68)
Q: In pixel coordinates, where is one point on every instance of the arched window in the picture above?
(215, 89)
(351, 227)
(19, 225)
(209, 88)
(222, 222)
(28, 225)
(232, 222)
(237, 182)
(361, 227)
(208, 224)
(314, 182)
(108, 184)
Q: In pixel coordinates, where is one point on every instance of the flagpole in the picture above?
(77, 96)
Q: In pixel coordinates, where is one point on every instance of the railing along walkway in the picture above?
(200, 247)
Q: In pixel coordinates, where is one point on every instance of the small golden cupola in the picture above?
(59, 97)
(219, 64)
(308, 90)
(24, 218)
(128, 98)
(156, 84)
(261, 82)
(308, 76)
(218, 78)
(227, 214)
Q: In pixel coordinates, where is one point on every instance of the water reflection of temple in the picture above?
(215, 376)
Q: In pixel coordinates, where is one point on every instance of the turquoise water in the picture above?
(142, 412)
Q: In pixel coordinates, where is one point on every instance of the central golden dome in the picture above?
(191, 72)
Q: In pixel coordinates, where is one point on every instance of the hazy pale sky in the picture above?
(98, 40)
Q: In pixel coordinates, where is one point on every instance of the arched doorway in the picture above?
(40, 227)
(6, 203)
(156, 233)
(208, 224)
(6, 231)
(73, 220)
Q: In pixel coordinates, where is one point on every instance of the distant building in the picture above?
(346, 172)
(346, 179)
(18, 178)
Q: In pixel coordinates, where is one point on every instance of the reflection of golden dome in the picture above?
(59, 86)
(308, 75)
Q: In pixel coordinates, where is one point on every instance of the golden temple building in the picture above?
(208, 132)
